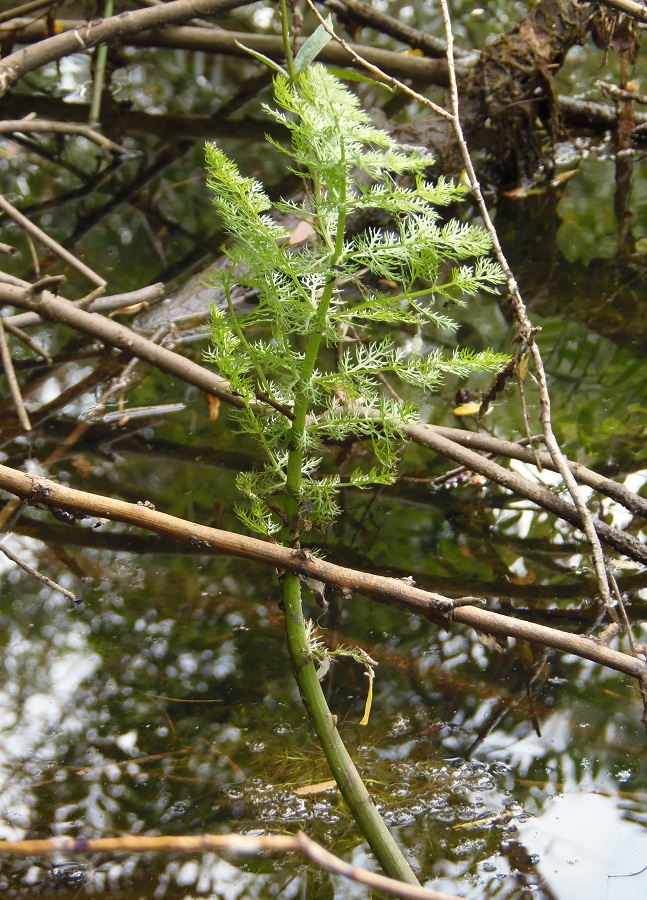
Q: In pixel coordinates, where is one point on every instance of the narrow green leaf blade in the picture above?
(264, 59)
(312, 47)
(349, 75)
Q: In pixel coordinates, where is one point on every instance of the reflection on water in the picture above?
(583, 840)
(166, 704)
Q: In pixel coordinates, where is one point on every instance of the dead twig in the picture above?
(43, 126)
(37, 348)
(427, 436)
(418, 68)
(25, 8)
(357, 55)
(39, 575)
(236, 844)
(526, 329)
(368, 14)
(629, 7)
(41, 492)
(485, 442)
(59, 310)
(89, 34)
(635, 650)
(112, 303)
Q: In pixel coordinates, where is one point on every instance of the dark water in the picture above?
(166, 705)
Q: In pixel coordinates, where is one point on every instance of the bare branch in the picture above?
(360, 60)
(629, 7)
(429, 71)
(428, 436)
(37, 348)
(118, 335)
(113, 302)
(526, 329)
(28, 126)
(24, 9)
(89, 34)
(485, 442)
(236, 844)
(41, 492)
(58, 310)
(39, 575)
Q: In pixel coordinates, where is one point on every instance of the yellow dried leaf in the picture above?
(467, 409)
(369, 697)
(518, 193)
(563, 177)
(528, 578)
(314, 788)
(213, 404)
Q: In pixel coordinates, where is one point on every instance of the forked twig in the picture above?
(526, 330)
(37, 347)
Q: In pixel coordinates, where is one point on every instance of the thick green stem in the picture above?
(285, 29)
(352, 788)
(388, 854)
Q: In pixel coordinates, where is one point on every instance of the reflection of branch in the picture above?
(12, 381)
(242, 845)
(41, 492)
(89, 34)
(26, 126)
(485, 442)
(45, 239)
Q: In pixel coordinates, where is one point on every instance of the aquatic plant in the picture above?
(311, 361)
